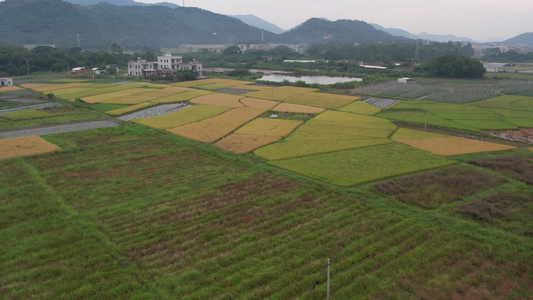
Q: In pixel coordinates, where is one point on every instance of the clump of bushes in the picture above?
(517, 167)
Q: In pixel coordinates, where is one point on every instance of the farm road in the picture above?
(55, 129)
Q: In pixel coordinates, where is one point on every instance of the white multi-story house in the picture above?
(165, 65)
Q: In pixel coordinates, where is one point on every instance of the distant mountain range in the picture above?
(121, 3)
(424, 35)
(131, 24)
(259, 23)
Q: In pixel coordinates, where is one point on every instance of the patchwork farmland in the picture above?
(246, 195)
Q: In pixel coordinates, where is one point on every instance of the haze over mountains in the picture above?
(134, 25)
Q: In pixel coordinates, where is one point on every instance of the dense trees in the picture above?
(18, 61)
(455, 66)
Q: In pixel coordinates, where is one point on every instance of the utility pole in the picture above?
(328, 278)
(425, 120)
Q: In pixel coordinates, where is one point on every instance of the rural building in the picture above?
(165, 65)
(6, 81)
(78, 70)
(405, 80)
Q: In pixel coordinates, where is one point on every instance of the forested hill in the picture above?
(54, 21)
(320, 30)
(524, 38)
(132, 27)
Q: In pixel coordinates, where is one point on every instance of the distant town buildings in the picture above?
(480, 48)
(31, 47)
(165, 66)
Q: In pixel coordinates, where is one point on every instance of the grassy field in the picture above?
(137, 212)
(153, 215)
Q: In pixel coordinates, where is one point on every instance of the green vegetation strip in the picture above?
(351, 167)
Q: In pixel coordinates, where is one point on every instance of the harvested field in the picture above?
(215, 128)
(219, 99)
(25, 146)
(243, 143)
(296, 108)
(210, 82)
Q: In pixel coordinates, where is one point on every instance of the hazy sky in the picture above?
(477, 19)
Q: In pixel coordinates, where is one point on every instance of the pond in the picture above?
(308, 79)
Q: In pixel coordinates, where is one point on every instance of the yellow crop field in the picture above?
(188, 115)
(215, 128)
(259, 103)
(184, 96)
(52, 87)
(168, 91)
(447, 145)
(132, 99)
(24, 146)
(113, 95)
(531, 148)
(252, 87)
(219, 99)
(335, 122)
(243, 143)
(129, 109)
(9, 88)
(360, 107)
(290, 149)
(269, 127)
(331, 101)
(297, 108)
(202, 82)
(280, 93)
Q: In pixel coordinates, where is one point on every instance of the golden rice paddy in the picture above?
(330, 101)
(11, 88)
(447, 145)
(269, 127)
(243, 143)
(181, 117)
(259, 103)
(24, 146)
(215, 128)
(280, 93)
(360, 107)
(297, 108)
(219, 99)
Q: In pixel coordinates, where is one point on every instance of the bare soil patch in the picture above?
(522, 135)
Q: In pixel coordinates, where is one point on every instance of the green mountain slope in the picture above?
(320, 30)
(55, 21)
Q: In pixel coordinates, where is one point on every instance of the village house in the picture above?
(6, 81)
(165, 65)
